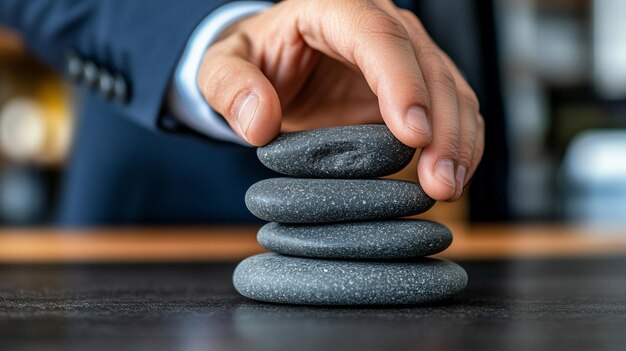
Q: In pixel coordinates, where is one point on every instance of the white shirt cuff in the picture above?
(185, 98)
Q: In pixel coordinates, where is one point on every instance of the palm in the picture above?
(328, 93)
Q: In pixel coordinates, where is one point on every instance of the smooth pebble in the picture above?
(392, 239)
(293, 280)
(301, 200)
(361, 151)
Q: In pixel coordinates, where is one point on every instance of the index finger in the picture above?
(360, 33)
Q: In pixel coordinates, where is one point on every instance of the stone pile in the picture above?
(335, 230)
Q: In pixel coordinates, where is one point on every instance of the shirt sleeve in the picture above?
(184, 98)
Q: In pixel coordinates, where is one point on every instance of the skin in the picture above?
(306, 64)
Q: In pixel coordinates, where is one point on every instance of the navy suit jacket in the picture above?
(130, 162)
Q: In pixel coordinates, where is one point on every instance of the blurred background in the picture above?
(563, 74)
(35, 134)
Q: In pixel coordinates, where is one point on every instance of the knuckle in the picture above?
(468, 98)
(443, 79)
(405, 12)
(216, 79)
(407, 15)
(436, 70)
(449, 148)
(223, 84)
(378, 23)
(413, 20)
(430, 56)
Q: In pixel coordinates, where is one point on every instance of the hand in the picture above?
(308, 64)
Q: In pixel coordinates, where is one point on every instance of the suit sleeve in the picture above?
(138, 40)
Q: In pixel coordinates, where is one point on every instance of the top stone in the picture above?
(361, 151)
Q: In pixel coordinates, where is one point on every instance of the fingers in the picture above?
(467, 141)
(472, 130)
(399, 84)
(423, 98)
(446, 165)
(471, 144)
(478, 149)
(379, 46)
(239, 91)
(442, 154)
(438, 167)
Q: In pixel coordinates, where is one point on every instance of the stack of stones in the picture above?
(335, 232)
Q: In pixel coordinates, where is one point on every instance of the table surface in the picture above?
(528, 297)
(527, 304)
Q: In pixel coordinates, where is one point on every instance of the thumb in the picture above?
(239, 91)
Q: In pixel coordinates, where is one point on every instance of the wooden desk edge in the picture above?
(235, 243)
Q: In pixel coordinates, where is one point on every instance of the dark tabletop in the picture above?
(573, 304)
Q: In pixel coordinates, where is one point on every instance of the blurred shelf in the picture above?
(36, 114)
(10, 43)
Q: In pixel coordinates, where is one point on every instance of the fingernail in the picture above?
(445, 172)
(461, 171)
(247, 112)
(417, 120)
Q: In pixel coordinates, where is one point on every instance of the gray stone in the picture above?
(297, 200)
(295, 280)
(394, 239)
(362, 151)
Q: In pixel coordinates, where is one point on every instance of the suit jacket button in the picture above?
(106, 83)
(90, 73)
(74, 67)
(120, 89)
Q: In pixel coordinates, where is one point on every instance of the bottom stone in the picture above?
(275, 278)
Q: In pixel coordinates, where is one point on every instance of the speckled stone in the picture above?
(362, 151)
(394, 239)
(294, 280)
(297, 200)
